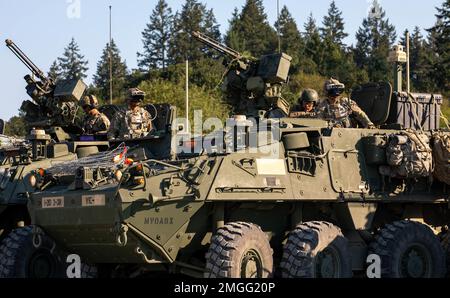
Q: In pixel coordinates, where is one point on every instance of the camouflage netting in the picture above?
(109, 159)
(409, 155)
(441, 155)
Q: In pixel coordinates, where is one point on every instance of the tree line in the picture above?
(318, 52)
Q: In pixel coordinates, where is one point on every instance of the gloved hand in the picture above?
(371, 126)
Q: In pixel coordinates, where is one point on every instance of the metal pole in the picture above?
(110, 58)
(407, 63)
(278, 27)
(187, 95)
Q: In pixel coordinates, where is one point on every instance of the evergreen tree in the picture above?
(54, 72)
(439, 40)
(193, 17)
(333, 26)
(421, 62)
(374, 41)
(335, 62)
(313, 47)
(291, 40)
(253, 29)
(119, 73)
(155, 38)
(233, 37)
(72, 63)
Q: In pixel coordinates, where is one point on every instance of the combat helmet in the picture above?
(135, 94)
(309, 95)
(333, 87)
(90, 101)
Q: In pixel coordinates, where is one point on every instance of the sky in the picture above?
(42, 29)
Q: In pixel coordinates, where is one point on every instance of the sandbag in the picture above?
(441, 156)
(409, 155)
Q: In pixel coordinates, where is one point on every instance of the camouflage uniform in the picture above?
(339, 113)
(96, 124)
(337, 110)
(298, 112)
(307, 96)
(136, 122)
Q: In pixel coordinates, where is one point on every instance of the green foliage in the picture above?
(333, 26)
(54, 71)
(119, 73)
(374, 40)
(313, 47)
(155, 38)
(250, 31)
(194, 16)
(208, 101)
(72, 64)
(439, 40)
(291, 40)
(301, 81)
(16, 126)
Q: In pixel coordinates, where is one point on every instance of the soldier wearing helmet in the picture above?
(94, 122)
(337, 109)
(136, 123)
(306, 104)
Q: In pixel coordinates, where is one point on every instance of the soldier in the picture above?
(337, 109)
(136, 123)
(94, 122)
(307, 103)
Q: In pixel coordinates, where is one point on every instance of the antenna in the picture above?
(110, 57)
(278, 27)
(408, 86)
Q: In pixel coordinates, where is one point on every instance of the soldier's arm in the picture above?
(149, 122)
(303, 114)
(113, 128)
(360, 115)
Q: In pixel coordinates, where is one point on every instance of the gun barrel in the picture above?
(216, 45)
(25, 60)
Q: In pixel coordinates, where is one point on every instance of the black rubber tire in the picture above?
(89, 271)
(230, 248)
(18, 256)
(308, 243)
(446, 245)
(399, 238)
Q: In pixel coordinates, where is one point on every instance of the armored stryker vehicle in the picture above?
(267, 196)
(53, 138)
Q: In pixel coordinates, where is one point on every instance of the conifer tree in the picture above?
(72, 64)
(119, 73)
(253, 29)
(155, 38)
(290, 38)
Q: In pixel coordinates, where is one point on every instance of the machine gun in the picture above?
(253, 86)
(54, 103)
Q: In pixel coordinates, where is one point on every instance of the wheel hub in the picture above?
(42, 265)
(415, 262)
(251, 265)
(327, 264)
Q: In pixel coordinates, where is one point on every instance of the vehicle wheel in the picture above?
(89, 271)
(20, 259)
(316, 249)
(409, 249)
(446, 246)
(239, 250)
